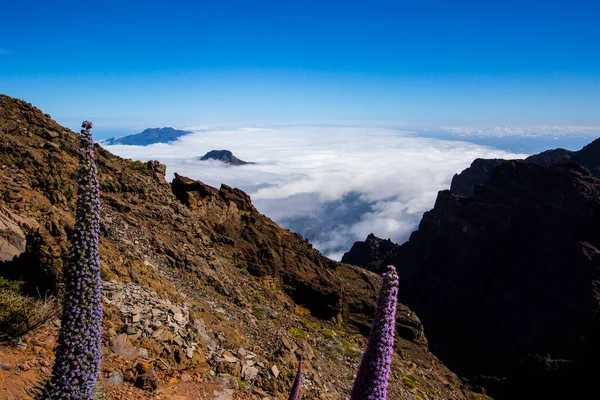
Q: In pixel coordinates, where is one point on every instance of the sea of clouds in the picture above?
(333, 185)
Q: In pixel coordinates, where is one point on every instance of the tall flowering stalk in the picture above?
(78, 355)
(372, 379)
(295, 392)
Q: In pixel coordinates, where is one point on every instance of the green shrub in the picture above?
(243, 385)
(311, 326)
(298, 333)
(140, 166)
(258, 298)
(301, 310)
(289, 288)
(409, 381)
(328, 333)
(105, 275)
(332, 353)
(258, 311)
(349, 350)
(12, 286)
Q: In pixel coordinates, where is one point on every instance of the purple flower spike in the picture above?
(295, 392)
(78, 355)
(372, 379)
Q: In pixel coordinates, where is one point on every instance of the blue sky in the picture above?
(127, 65)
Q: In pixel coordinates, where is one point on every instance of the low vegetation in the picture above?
(140, 166)
(19, 314)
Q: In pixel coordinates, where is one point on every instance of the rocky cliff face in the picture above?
(507, 281)
(477, 174)
(480, 170)
(504, 272)
(368, 254)
(203, 295)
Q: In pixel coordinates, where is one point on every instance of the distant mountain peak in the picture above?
(480, 170)
(225, 156)
(149, 136)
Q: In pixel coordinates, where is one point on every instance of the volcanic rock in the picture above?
(480, 170)
(225, 156)
(507, 281)
(368, 254)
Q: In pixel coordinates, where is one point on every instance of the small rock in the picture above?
(51, 134)
(275, 371)
(24, 367)
(132, 330)
(115, 378)
(288, 345)
(162, 335)
(147, 381)
(229, 357)
(143, 353)
(231, 382)
(179, 341)
(129, 375)
(179, 318)
(21, 345)
(124, 349)
(225, 394)
(5, 365)
(307, 351)
(185, 377)
(250, 373)
(189, 352)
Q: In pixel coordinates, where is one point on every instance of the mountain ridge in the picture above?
(512, 263)
(202, 294)
(148, 136)
(479, 171)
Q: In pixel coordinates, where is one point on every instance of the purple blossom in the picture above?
(78, 354)
(295, 392)
(372, 379)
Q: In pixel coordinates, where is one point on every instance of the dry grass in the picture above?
(20, 314)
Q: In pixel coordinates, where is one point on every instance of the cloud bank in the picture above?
(333, 185)
(528, 131)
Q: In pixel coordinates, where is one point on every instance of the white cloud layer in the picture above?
(528, 131)
(334, 185)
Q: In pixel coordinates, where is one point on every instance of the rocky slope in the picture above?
(225, 156)
(149, 136)
(204, 297)
(507, 281)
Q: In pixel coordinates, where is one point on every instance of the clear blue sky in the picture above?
(133, 64)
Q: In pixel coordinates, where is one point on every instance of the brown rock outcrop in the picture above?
(238, 280)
